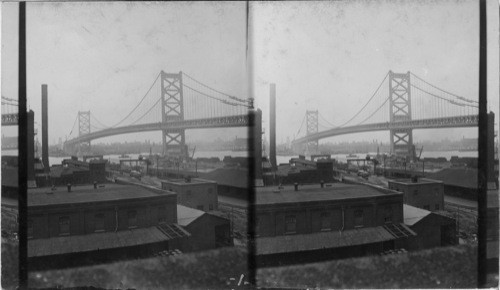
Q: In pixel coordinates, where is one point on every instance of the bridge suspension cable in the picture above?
(73, 127)
(137, 106)
(371, 98)
(219, 92)
(452, 94)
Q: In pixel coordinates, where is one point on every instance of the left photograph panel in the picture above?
(9, 141)
(138, 148)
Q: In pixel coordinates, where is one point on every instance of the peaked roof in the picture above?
(413, 215)
(187, 215)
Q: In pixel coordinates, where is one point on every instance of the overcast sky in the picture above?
(324, 55)
(103, 57)
(331, 56)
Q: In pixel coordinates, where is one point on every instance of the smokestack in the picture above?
(296, 186)
(272, 129)
(69, 187)
(31, 146)
(45, 130)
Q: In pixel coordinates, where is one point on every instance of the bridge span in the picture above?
(435, 123)
(170, 126)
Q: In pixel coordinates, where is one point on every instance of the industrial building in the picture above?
(232, 182)
(208, 230)
(459, 182)
(99, 223)
(432, 228)
(423, 193)
(193, 192)
(301, 170)
(310, 223)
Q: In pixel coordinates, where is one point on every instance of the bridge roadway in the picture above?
(217, 122)
(435, 123)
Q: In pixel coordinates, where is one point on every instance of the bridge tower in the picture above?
(84, 128)
(400, 110)
(312, 127)
(172, 109)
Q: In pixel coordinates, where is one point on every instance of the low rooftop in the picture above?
(413, 215)
(335, 191)
(228, 177)
(462, 177)
(415, 181)
(184, 181)
(87, 193)
(102, 241)
(187, 215)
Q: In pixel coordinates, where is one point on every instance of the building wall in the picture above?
(203, 233)
(82, 217)
(431, 232)
(428, 196)
(271, 220)
(202, 196)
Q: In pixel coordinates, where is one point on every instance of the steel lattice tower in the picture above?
(84, 128)
(400, 110)
(312, 127)
(172, 109)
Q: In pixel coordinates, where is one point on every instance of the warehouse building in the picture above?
(99, 223)
(432, 228)
(423, 193)
(208, 229)
(310, 223)
(193, 192)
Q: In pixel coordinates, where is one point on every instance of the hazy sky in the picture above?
(323, 55)
(103, 57)
(331, 56)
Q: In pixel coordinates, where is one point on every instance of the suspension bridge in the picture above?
(10, 112)
(401, 103)
(174, 103)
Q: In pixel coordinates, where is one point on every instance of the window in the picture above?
(64, 226)
(132, 219)
(326, 221)
(30, 229)
(290, 224)
(258, 220)
(200, 207)
(436, 207)
(99, 222)
(358, 218)
(188, 192)
(210, 207)
(388, 214)
(210, 190)
(415, 192)
(162, 214)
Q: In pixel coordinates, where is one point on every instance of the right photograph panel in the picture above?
(369, 167)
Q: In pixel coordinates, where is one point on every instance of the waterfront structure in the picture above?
(208, 230)
(88, 224)
(423, 193)
(74, 171)
(193, 192)
(230, 181)
(300, 170)
(459, 182)
(309, 223)
(433, 229)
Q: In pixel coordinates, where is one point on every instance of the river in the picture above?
(114, 158)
